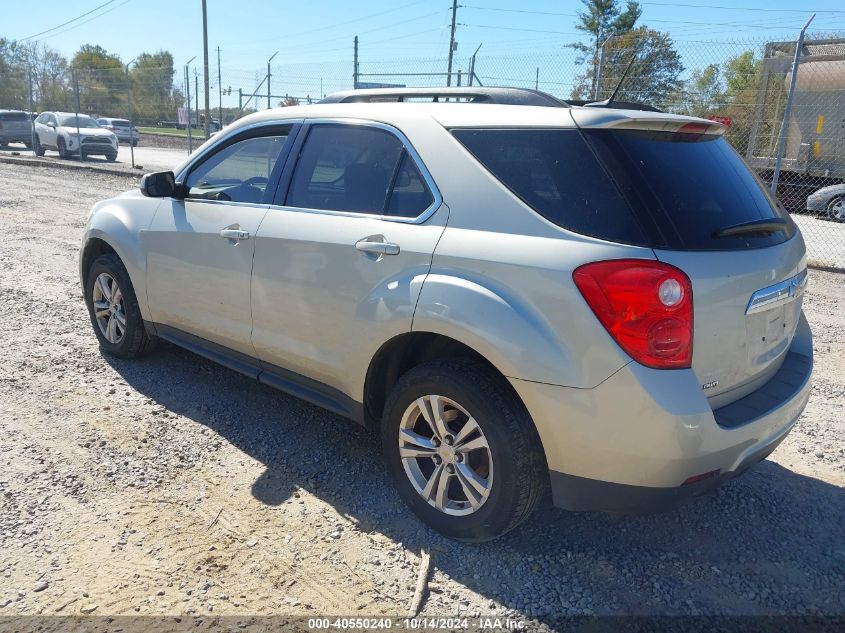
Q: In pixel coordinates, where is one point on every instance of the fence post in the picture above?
(354, 67)
(31, 121)
(131, 127)
(788, 107)
(78, 135)
(188, 101)
(598, 73)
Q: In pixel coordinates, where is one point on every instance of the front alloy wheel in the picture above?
(113, 308)
(109, 309)
(445, 455)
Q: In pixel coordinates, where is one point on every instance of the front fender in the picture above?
(120, 223)
(504, 328)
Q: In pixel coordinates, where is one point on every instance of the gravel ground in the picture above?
(171, 485)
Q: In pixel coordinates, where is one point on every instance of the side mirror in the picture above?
(51, 124)
(160, 184)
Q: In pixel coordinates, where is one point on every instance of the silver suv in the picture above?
(516, 294)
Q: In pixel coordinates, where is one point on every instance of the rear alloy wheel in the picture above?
(836, 209)
(445, 455)
(462, 450)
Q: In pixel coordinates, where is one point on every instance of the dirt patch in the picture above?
(171, 485)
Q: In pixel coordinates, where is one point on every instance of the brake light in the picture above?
(694, 128)
(646, 306)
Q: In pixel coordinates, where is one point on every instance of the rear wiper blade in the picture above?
(770, 225)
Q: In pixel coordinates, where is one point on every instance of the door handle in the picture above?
(234, 234)
(369, 245)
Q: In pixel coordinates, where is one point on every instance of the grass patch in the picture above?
(171, 131)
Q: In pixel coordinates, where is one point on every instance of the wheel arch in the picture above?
(406, 351)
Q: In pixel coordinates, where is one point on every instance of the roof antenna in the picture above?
(607, 103)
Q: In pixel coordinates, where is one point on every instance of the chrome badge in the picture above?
(710, 385)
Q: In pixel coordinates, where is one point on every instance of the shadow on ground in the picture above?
(770, 542)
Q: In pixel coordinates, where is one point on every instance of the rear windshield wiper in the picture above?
(770, 225)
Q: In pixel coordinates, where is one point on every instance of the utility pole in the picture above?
(452, 42)
(205, 66)
(268, 77)
(219, 91)
(354, 67)
(537, 79)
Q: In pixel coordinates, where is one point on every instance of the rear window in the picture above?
(691, 185)
(555, 173)
(14, 116)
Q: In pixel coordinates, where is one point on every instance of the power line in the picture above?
(79, 17)
(709, 6)
(91, 19)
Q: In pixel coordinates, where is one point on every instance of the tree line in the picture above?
(104, 81)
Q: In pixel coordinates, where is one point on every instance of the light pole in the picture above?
(268, 77)
(188, 95)
(205, 67)
(129, 106)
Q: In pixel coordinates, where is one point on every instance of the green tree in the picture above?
(601, 20)
(742, 80)
(702, 95)
(654, 76)
(14, 75)
(101, 77)
(154, 97)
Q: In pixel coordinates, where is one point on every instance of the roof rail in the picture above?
(505, 96)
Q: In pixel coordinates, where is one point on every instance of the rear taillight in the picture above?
(646, 306)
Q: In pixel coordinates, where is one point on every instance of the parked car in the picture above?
(67, 134)
(122, 129)
(829, 202)
(515, 294)
(15, 127)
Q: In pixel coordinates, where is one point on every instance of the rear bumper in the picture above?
(630, 444)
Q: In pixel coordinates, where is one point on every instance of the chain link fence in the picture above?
(743, 84)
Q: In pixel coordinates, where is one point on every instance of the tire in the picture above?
(132, 339)
(111, 157)
(39, 150)
(60, 147)
(836, 209)
(511, 468)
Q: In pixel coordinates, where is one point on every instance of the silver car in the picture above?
(828, 202)
(516, 294)
(122, 129)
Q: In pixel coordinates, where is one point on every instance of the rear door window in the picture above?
(14, 116)
(357, 168)
(556, 174)
(692, 185)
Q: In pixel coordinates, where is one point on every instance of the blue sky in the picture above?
(315, 38)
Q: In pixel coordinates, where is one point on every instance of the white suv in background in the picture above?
(69, 134)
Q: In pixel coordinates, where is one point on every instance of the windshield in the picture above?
(83, 121)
